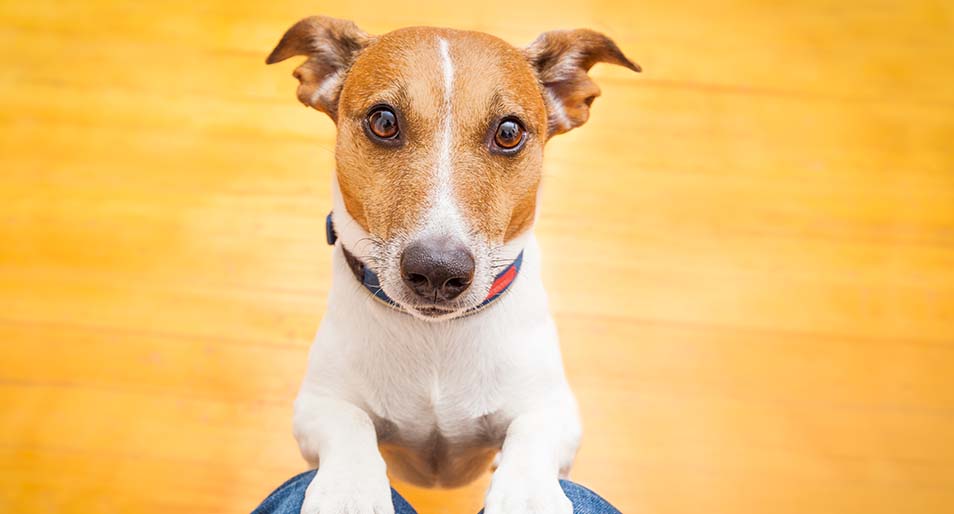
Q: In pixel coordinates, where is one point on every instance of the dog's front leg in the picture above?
(351, 477)
(538, 449)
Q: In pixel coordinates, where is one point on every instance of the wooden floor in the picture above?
(749, 249)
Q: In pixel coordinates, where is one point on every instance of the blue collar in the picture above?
(370, 281)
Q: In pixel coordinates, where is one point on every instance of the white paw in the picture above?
(348, 492)
(512, 494)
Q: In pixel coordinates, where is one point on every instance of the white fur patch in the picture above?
(446, 133)
(443, 216)
(326, 88)
(448, 68)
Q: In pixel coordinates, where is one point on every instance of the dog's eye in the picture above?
(509, 135)
(383, 123)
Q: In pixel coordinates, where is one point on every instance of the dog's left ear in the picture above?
(561, 59)
(332, 45)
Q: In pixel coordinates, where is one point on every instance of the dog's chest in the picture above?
(459, 406)
(438, 417)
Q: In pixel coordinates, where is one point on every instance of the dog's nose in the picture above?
(438, 268)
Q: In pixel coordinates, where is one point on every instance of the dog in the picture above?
(437, 357)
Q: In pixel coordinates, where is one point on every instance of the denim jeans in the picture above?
(288, 498)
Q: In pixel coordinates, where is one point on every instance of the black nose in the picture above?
(437, 269)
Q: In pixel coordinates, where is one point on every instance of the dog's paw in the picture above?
(337, 492)
(523, 495)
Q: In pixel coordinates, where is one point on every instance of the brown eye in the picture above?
(383, 123)
(509, 134)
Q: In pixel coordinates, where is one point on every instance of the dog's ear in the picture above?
(331, 46)
(561, 59)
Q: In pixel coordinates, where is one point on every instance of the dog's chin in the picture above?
(433, 312)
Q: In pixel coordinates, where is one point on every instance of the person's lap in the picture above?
(287, 499)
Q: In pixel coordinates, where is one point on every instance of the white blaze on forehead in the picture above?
(444, 144)
(444, 217)
(448, 67)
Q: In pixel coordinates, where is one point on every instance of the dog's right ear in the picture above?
(331, 45)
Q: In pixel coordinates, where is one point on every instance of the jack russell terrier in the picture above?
(438, 352)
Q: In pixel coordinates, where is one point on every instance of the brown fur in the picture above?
(385, 188)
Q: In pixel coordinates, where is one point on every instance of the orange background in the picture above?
(749, 249)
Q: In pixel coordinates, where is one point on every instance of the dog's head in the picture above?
(440, 144)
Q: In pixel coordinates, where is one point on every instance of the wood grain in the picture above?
(749, 249)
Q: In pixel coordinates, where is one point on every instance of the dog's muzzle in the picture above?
(436, 271)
